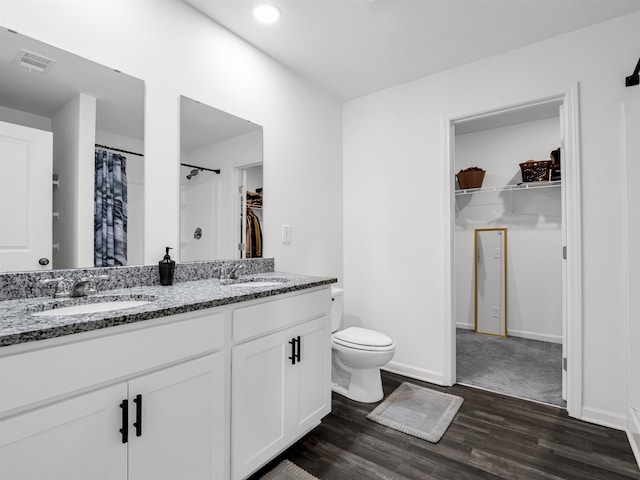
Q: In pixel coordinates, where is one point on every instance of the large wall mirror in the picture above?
(57, 111)
(491, 281)
(220, 184)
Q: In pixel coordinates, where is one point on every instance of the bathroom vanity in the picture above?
(205, 381)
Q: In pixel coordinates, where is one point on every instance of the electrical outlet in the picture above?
(496, 312)
(286, 233)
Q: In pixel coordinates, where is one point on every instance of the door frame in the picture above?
(239, 193)
(572, 232)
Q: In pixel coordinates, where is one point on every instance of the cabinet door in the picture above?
(312, 387)
(183, 424)
(77, 438)
(261, 370)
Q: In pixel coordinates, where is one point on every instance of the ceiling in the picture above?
(202, 125)
(119, 97)
(351, 48)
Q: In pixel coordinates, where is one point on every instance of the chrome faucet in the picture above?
(228, 273)
(85, 286)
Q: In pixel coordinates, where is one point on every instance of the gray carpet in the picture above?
(516, 366)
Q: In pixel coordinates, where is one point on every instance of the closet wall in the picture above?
(533, 219)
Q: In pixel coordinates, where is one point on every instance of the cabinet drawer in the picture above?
(265, 317)
(42, 374)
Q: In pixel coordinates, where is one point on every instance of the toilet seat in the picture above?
(363, 339)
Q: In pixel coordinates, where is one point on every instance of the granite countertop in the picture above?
(19, 325)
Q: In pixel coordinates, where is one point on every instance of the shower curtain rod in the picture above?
(119, 150)
(216, 170)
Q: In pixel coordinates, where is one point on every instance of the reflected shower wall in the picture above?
(199, 214)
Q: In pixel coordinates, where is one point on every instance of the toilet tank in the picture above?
(337, 308)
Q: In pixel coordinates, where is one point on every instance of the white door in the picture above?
(313, 373)
(177, 424)
(26, 170)
(260, 377)
(78, 438)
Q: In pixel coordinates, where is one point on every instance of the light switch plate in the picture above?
(286, 233)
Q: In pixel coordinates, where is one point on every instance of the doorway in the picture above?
(249, 179)
(569, 244)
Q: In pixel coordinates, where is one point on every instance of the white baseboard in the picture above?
(633, 432)
(519, 333)
(416, 373)
(535, 336)
(604, 418)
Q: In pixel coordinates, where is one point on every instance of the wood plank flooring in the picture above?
(492, 437)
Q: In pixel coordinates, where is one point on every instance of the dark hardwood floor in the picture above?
(492, 437)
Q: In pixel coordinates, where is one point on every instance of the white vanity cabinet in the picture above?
(281, 367)
(207, 395)
(147, 422)
(73, 439)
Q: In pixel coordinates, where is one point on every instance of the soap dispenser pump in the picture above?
(167, 267)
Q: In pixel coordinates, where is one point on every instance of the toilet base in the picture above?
(365, 386)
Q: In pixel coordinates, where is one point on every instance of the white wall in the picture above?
(632, 151)
(199, 208)
(25, 119)
(533, 220)
(394, 191)
(302, 145)
(74, 135)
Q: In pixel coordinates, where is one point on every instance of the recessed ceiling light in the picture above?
(266, 13)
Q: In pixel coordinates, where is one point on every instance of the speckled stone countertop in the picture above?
(19, 325)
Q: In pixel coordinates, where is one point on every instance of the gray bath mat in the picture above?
(417, 411)
(287, 470)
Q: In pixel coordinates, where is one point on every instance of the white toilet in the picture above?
(357, 355)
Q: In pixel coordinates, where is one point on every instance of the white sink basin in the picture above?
(256, 284)
(91, 308)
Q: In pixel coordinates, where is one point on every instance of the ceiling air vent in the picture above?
(33, 61)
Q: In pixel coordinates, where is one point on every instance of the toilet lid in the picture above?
(362, 337)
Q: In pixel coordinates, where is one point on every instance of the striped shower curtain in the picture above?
(110, 220)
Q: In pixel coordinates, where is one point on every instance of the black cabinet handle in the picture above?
(299, 349)
(125, 420)
(295, 350)
(138, 422)
(293, 357)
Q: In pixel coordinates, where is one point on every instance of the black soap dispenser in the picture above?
(167, 267)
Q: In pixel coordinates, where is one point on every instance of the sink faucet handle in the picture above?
(103, 276)
(236, 267)
(62, 286)
(84, 286)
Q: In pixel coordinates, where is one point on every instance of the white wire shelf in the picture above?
(510, 188)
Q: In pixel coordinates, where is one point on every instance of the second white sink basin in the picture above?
(91, 308)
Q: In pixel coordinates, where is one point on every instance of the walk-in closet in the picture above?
(508, 253)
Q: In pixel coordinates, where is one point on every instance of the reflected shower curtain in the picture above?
(110, 220)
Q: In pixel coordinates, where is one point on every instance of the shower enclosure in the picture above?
(199, 214)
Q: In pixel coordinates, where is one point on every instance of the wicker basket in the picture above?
(536, 170)
(470, 178)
